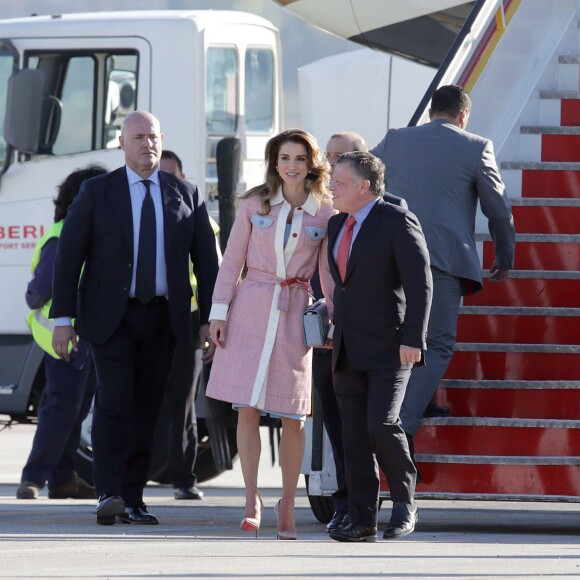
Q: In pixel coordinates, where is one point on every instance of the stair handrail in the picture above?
(478, 20)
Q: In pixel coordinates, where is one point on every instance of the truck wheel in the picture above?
(321, 505)
(205, 467)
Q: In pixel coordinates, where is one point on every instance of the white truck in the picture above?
(66, 83)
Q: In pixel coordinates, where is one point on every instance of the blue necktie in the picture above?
(145, 278)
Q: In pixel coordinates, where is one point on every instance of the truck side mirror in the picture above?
(24, 110)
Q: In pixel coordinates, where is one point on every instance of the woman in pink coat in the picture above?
(261, 364)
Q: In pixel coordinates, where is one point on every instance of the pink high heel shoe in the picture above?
(283, 534)
(252, 524)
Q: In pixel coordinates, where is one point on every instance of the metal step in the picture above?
(553, 238)
(546, 130)
(496, 459)
(509, 347)
(542, 165)
(525, 385)
(545, 201)
(569, 58)
(560, 95)
(503, 422)
(518, 311)
(541, 275)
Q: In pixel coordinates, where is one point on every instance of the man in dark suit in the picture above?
(379, 262)
(339, 143)
(128, 237)
(444, 172)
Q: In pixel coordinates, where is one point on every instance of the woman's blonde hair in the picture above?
(318, 168)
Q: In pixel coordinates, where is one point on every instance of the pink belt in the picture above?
(285, 285)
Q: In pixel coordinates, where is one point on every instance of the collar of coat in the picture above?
(310, 206)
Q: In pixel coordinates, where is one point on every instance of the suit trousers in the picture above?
(132, 367)
(322, 379)
(441, 334)
(180, 405)
(67, 401)
(370, 402)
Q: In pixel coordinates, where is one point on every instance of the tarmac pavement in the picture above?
(46, 539)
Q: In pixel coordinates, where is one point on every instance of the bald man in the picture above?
(122, 269)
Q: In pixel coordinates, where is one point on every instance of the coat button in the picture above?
(343, 289)
(129, 266)
(294, 235)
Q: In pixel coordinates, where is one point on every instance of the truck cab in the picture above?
(66, 83)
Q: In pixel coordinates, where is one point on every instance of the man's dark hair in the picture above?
(69, 188)
(167, 154)
(450, 100)
(366, 166)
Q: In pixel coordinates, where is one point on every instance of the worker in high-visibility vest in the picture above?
(181, 388)
(67, 394)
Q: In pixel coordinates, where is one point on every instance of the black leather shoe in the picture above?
(108, 508)
(403, 520)
(137, 515)
(336, 522)
(435, 410)
(187, 493)
(354, 533)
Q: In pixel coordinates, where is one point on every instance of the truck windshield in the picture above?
(6, 63)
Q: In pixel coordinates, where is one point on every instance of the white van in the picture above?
(66, 83)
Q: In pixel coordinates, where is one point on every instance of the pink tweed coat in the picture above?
(264, 363)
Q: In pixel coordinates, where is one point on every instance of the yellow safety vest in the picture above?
(38, 320)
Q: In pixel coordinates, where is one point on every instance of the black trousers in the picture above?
(370, 402)
(322, 378)
(132, 370)
(180, 402)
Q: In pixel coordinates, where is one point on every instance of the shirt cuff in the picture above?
(63, 321)
(218, 312)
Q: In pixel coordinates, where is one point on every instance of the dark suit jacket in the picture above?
(315, 281)
(98, 232)
(395, 200)
(385, 298)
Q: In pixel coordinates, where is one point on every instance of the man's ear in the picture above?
(365, 185)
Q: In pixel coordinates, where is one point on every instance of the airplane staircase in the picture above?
(514, 382)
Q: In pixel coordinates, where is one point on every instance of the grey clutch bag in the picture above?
(315, 322)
